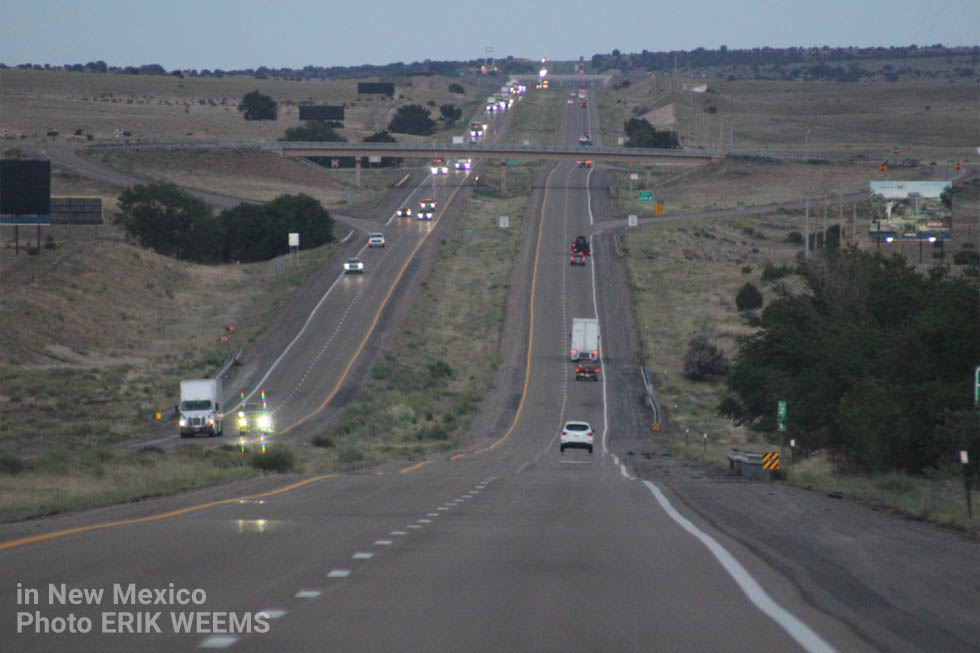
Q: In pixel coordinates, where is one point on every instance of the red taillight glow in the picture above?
(595, 353)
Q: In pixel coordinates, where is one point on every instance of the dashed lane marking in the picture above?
(307, 594)
(218, 641)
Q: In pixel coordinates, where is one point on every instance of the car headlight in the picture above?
(264, 422)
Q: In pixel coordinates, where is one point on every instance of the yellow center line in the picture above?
(415, 466)
(530, 335)
(11, 544)
(374, 322)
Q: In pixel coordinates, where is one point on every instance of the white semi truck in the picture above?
(584, 339)
(199, 410)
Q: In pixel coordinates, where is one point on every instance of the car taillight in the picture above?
(564, 432)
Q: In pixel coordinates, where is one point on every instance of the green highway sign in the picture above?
(781, 415)
(976, 385)
(512, 162)
(645, 196)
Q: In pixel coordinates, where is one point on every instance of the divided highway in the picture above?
(507, 545)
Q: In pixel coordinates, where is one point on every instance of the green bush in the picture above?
(704, 359)
(966, 258)
(277, 458)
(748, 297)
(11, 464)
(772, 272)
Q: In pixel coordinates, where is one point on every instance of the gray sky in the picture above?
(238, 34)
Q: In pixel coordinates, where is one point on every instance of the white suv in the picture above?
(376, 239)
(353, 266)
(576, 434)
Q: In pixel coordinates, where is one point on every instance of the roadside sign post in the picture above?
(965, 459)
(631, 220)
(781, 418)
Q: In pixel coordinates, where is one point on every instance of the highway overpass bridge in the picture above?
(503, 153)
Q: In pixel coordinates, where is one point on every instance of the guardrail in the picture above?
(750, 464)
(650, 399)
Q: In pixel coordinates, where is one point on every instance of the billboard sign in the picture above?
(324, 113)
(918, 210)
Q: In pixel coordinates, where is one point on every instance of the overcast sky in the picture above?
(238, 34)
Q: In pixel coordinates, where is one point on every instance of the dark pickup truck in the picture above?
(587, 370)
(581, 246)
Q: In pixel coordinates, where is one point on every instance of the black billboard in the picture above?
(25, 187)
(76, 210)
(379, 88)
(324, 113)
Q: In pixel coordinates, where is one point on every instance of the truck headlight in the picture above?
(182, 421)
(264, 422)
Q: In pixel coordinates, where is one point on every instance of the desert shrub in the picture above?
(277, 458)
(748, 297)
(703, 359)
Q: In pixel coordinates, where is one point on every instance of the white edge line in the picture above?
(595, 307)
(795, 628)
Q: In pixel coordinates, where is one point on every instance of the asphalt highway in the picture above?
(506, 545)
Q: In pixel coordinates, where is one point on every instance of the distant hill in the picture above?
(804, 64)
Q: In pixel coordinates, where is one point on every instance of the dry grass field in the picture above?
(927, 121)
(160, 108)
(685, 276)
(94, 334)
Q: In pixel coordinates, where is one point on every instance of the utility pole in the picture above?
(806, 226)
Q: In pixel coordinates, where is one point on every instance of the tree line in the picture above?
(162, 217)
(874, 359)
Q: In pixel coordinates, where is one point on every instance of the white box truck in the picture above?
(199, 410)
(584, 339)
